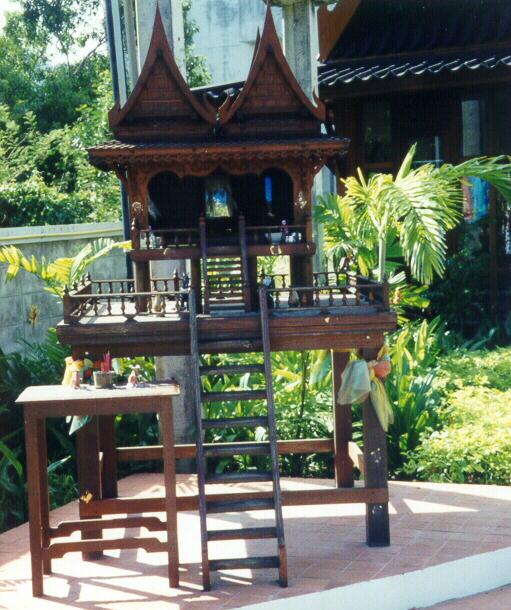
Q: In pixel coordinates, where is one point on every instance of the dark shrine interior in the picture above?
(178, 203)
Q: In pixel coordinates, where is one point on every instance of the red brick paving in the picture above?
(430, 524)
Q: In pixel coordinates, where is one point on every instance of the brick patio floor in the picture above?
(430, 524)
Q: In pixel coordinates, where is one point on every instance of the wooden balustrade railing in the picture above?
(104, 298)
(154, 239)
(277, 234)
(343, 295)
(118, 297)
(126, 305)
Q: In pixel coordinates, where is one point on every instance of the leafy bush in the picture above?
(475, 444)
(487, 369)
(473, 392)
(42, 364)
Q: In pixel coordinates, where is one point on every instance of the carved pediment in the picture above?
(161, 106)
(271, 94)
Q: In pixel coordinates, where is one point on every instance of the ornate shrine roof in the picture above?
(269, 111)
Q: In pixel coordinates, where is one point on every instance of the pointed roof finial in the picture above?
(160, 50)
(269, 43)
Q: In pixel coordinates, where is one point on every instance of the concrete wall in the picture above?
(227, 34)
(20, 295)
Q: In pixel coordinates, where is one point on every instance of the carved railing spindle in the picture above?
(317, 301)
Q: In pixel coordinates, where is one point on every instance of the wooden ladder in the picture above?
(266, 448)
(225, 277)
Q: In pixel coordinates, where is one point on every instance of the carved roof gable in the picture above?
(271, 93)
(162, 104)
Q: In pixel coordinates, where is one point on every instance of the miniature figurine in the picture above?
(284, 232)
(75, 380)
(134, 379)
(73, 368)
(294, 299)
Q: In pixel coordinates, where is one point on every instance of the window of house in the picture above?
(472, 128)
(377, 132)
(429, 150)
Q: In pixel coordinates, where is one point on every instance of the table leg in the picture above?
(44, 495)
(34, 475)
(169, 468)
(107, 443)
(342, 425)
(89, 476)
(375, 472)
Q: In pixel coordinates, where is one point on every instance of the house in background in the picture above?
(434, 72)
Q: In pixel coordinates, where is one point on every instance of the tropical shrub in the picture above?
(40, 364)
(475, 444)
(473, 393)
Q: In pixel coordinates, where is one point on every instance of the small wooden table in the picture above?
(41, 402)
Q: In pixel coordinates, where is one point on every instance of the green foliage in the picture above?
(303, 404)
(45, 178)
(414, 351)
(417, 206)
(49, 114)
(475, 444)
(30, 78)
(197, 72)
(62, 273)
(39, 364)
(485, 369)
(473, 390)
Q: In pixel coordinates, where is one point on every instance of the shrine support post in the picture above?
(342, 424)
(375, 469)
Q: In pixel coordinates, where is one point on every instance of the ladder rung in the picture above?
(236, 506)
(238, 477)
(246, 533)
(245, 563)
(232, 370)
(235, 422)
(236, 395)
(228, 449)
(230, 345)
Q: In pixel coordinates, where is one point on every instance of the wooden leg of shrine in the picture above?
(107, 443)
(34, 472)
(375, 466)
(44, 496)
(169, 469)
(89, 476)
(342, 424)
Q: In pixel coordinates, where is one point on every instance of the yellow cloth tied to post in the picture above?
(359, 381)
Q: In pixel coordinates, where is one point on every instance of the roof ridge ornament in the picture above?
(159, 49)
(269, 42)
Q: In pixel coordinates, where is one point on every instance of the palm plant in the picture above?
(417, 206)
(62, 272)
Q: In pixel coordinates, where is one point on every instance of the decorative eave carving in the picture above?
(162, 104)
(235, 158)
(270, 76)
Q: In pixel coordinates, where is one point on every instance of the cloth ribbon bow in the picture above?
(360, 381)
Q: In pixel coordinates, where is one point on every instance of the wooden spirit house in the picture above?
(218, 177)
